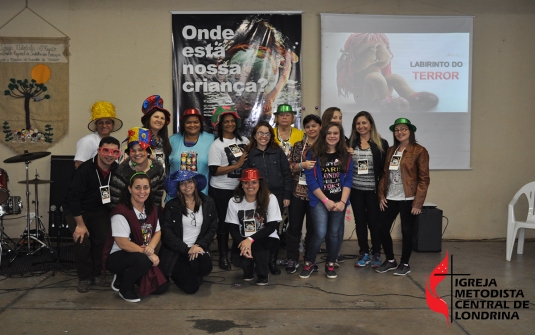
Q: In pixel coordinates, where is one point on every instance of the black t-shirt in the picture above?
(332, 188)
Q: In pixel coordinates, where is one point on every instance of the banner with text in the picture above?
(250, 61)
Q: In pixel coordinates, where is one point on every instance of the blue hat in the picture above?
(171, 183)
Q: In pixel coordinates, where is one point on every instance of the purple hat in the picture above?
(171, 183)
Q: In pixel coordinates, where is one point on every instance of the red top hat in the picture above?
(250, 174)
(151, 104)
(191, 111)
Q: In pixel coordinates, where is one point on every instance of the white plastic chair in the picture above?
(513, 226)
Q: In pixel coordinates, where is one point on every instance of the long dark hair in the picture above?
(262, 196)
(163, 133)
(253, 143)
(236, 132)
(319, 148)
(126, 195)
(328, 115)
(354, 140)
(182, 200)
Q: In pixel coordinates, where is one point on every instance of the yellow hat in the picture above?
(104, 110)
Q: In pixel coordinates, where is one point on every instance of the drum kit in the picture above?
(30, 241)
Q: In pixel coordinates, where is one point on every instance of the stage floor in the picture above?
(359, 301)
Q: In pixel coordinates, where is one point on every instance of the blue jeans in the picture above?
(327, 225)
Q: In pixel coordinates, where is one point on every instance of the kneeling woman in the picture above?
(255, 215)
(189, 223)
(136, 233)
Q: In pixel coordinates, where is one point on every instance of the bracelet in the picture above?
(325, 200)
(300, 166)
(343, 202)
(251, 239)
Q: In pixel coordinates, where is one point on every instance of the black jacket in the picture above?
(172, 237)
(378, 160)
(274, 168)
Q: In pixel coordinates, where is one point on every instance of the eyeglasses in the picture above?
(261, 134)
(142, 218)
(110, 152)
(401, 130)
(193, 219)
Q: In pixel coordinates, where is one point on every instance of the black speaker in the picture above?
(428, 231)
(61, 172)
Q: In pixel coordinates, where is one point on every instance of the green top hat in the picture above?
(403, 120)
(285, 108)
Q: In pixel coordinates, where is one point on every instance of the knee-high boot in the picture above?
(222, 245)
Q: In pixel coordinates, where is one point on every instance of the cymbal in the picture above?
(27, 156)
(36, 181)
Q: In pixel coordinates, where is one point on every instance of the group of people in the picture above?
(229, 185)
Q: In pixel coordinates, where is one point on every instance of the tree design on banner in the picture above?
(34, 79)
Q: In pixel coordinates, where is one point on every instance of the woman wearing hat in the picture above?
(266, 156)
(299, 205)
(103, 123)
(368, 162)
(135, 233)
(329, 187)
(402, 190)
(225, 160)
(285, 134)
(254, 216)
(138, 150)
(190, 145)
(189, 223)
(156, 118)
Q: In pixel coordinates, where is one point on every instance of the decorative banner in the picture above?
(34, 81)
(250, 61)
(418, 67)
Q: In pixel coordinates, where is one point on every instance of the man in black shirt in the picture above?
(87, 215)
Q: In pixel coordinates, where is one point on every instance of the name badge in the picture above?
(394, 162)
(105, 194)
(302, 178)
(362, 166)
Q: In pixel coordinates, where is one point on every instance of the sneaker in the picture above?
(316, 268)
(248, 278)
(402, 270)
(307, 270)
(83, 286)
(387, 266)
(116, 283)
(100, 281)
(376, 261)
(329, 271)
(363, 260)
(291, 266)
(262, 281)
(336, 264)
(341, 259)
(130, 296)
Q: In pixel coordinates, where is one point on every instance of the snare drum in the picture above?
(4, 192)
(13, 205)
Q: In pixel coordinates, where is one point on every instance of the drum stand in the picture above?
(25, 240)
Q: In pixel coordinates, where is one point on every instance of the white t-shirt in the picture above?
(221, 154)
(191, 226)
(238, 211)
(121, 228)
(86, 147)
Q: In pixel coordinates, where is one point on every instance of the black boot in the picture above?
(273, 267)
(222, 245)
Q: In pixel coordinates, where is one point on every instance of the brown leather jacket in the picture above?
(414, 167)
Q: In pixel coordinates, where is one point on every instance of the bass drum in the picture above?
(4, 192)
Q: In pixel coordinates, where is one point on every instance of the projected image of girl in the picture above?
(364, 71)
(265, 58)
